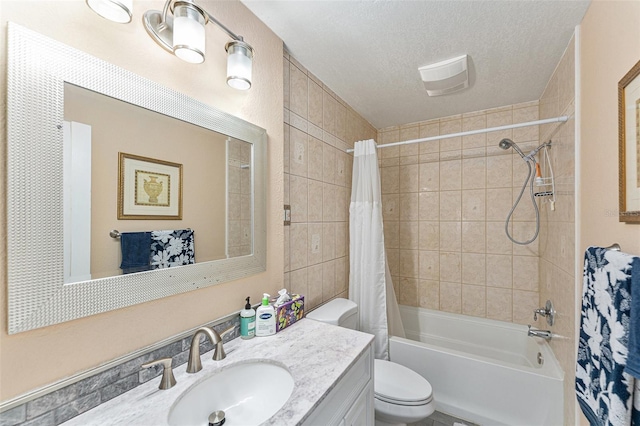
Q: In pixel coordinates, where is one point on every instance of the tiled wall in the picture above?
(445, 204)
(318, 128)
(239, 198)
(557, 236)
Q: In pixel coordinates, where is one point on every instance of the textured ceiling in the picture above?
(368, 52)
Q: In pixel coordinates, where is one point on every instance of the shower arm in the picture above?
(531, 155)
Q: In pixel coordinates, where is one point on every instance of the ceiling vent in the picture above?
(445, 77)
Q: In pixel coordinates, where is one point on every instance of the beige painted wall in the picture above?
(610, 46)
(36, 358)
(116, 127)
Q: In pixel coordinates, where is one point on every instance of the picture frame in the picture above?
(148, 188)
(629, 145)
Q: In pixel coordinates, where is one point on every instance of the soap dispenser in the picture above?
(265, 318)
(247, 321)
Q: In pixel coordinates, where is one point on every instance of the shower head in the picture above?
(508, 143)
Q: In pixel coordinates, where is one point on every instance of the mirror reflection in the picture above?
(176, 192)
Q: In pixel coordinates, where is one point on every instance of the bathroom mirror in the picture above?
(38, 71)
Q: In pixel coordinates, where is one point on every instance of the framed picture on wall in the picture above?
(629, 145)
(148, 188)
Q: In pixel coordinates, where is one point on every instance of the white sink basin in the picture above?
(249, 394)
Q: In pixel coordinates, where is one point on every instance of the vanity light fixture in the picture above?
(180, 29)
(114, 10)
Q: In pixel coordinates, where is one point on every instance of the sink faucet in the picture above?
(545, 334)
(194, 365)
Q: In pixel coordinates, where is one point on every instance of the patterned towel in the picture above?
(172, 248)
(604, 391)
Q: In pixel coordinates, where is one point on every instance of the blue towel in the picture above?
(136, 250)
(604, 390)
(633, 361)
(171, 248)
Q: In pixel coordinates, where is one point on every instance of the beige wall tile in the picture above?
(525, 273)
(341, 239)
(328, 280)
(499, 303)
(450, 175)
(474, 122)
(523, 115)
(450, 236)
(329, 108)
(474, 270)
(342, 283)
(429, 265)
(391, 207)
(299, 193)
(298, 91)
(497, 241)
(298, 152)
(429, 205)
(329, 238)
(286, 78)
(429, 235)
(409, 133)
(315, 240)
(409, 207)
(451, 297)
(474, 171)
(409, 235)
(473, 237)
(409, 263)
(429, 177)
(524, 303)
(391, 234)
(329, 202)
(409, 177)
(500, 171)
(298, 246)
(409, 291)
(287, 266)
(499, 203)
(314, 213)
(474, 300)
(390, 179)
(315, 159)
(315, 103)
(499, 271)
(298, 283)
(448, 127)
(450, 267)
(473, 204)
(329, 164)
(450, 205)
(429, 294)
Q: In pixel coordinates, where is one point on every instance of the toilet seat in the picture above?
(399, 385)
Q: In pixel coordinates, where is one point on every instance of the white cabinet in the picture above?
(350, 402)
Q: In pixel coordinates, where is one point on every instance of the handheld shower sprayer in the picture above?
(531, 162)
(508, 143)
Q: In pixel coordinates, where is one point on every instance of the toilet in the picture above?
(401, 395)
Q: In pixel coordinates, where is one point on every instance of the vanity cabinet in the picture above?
(350, 402)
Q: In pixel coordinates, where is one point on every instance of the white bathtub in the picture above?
(482, 370)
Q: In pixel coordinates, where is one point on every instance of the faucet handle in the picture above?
(168, 380)
(218, 352)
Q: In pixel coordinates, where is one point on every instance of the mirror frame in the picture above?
(37, 69)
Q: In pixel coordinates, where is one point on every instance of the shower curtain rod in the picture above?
(560, 119)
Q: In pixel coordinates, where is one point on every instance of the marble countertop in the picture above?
(316, 354)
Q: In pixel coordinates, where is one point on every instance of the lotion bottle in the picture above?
(247, 321)
(265, 318)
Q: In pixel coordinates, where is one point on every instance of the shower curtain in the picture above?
(370, 285)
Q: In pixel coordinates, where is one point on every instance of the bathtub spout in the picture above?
(545, 334)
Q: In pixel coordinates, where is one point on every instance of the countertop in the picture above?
(316, 354)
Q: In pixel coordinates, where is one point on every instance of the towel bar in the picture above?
(114, 233)
(614, 246)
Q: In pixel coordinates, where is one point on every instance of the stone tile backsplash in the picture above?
(67, 402)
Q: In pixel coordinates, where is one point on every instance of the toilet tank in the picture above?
(342, 312)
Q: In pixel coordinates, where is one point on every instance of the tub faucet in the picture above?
(545, 334)
(194, 365)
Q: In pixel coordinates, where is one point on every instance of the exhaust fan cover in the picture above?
(445, 77)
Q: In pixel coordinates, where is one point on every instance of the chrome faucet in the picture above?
(545, 334)
(194, 365)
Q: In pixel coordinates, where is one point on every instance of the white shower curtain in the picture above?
(370, 285)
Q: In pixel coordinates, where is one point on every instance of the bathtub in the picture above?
(485, 371)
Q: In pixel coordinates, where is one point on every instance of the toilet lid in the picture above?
(397, 384)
